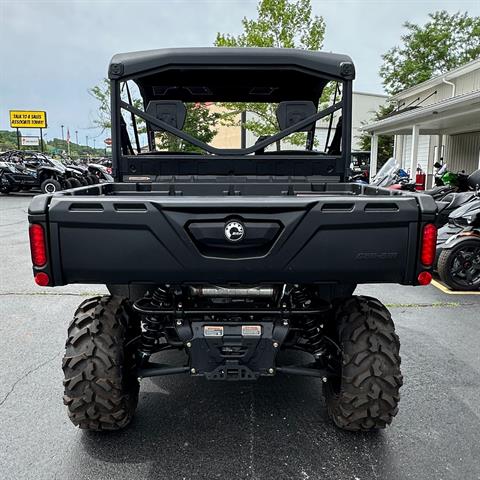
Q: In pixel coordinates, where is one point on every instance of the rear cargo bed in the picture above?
(170, 232)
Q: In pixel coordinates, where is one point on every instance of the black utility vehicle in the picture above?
(231, 255)
(14, 180)
(50, 175)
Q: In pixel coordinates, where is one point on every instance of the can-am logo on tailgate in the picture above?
(234, 231)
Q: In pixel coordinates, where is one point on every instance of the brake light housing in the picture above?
(38, 246)
(429, 245)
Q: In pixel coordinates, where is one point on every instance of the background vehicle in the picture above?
(458, 248)
(451, 201)
(232, 255)
(360, 165)
(99, 173)
(449, 182)
(390, 174)
(51, 175)
(13, 180)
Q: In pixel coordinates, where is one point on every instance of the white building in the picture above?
(438, 120)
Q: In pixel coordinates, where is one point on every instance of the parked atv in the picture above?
(99, 172)
(76, 176)
(458, 248)
(50, 174)
(13, 180)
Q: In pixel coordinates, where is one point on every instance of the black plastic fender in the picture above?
(456, 239)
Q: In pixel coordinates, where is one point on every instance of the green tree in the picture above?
(200, 120)
(443, 43)
(385, 142)
(281, 24)
(8, 140)
(101, 93)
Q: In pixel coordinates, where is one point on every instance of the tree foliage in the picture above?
(385, 142)
(200, 121)
(101, 93)
(8, 140)
(55, 146)
(281, 24)
(445, 42)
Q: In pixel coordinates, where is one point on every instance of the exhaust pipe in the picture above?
(232, 292)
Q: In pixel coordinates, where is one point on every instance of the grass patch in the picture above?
(423, 305)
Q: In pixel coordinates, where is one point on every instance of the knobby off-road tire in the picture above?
(95, 179)
(101, 388)
(50, 185)
(68, 184)
(365, 396)
(75, 183)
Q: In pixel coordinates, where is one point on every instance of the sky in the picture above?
(52, 52)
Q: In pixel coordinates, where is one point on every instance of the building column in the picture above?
(373, 155)
(438, 153)
(399, 145)
(414, 151)
(432, 159)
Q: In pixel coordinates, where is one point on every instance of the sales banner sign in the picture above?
(28, 119)
(30, 141)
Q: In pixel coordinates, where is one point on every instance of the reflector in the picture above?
(424, 278)
(42, 279)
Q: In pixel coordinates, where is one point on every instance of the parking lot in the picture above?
(276, 428)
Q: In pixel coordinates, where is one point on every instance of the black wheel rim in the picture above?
(465, 266)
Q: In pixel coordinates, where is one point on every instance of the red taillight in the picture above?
(42, 279)
(424, 278)
(429, 244)
(37, 245)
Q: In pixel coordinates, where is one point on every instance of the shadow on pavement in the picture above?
(274, 428)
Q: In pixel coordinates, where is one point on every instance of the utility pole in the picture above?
(76, 136)
(87, 140)
(94, 140)
(62, 133)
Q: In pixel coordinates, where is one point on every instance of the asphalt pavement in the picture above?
(276, 428)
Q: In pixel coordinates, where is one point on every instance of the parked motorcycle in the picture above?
(387, 175)
(458, 248)
(449, 182)
(452, 201)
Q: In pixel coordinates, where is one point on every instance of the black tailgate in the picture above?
(123, 239)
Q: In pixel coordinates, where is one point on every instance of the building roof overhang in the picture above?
(438, 80)
(460, 114)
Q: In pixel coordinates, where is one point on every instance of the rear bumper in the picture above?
(338, 239)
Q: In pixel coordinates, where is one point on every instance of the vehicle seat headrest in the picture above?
(172, 112)
(294, 111)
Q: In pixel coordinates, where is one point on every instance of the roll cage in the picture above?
(222, 75)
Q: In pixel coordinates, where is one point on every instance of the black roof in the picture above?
(125, 65)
